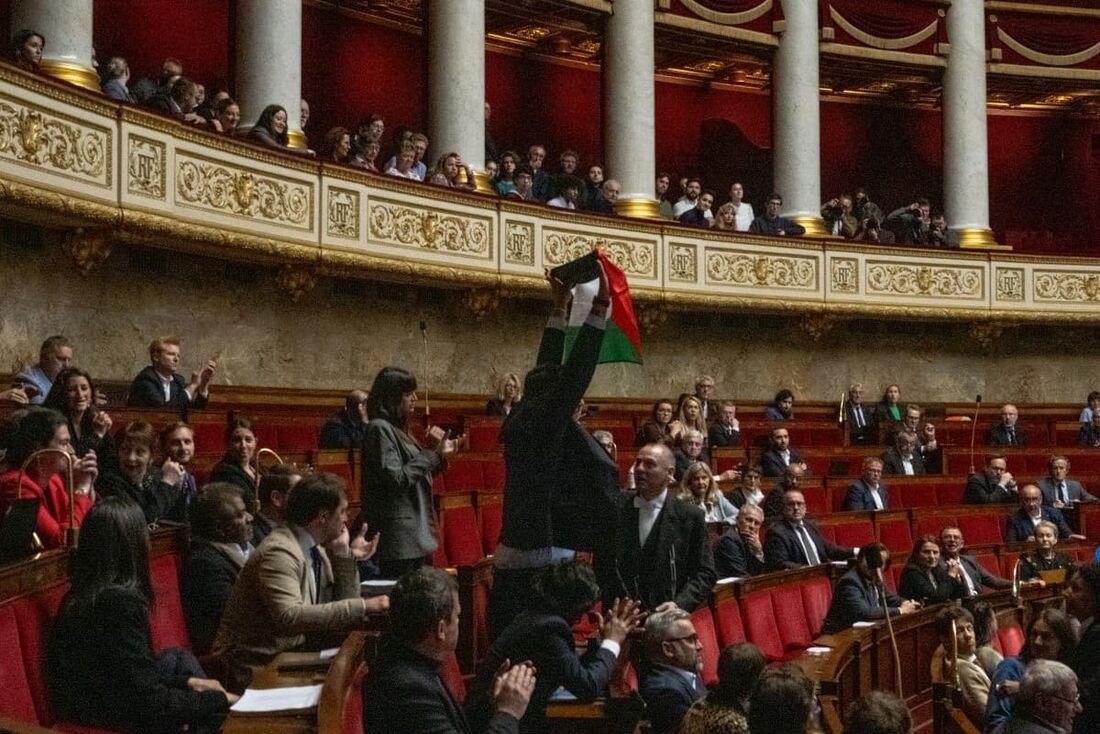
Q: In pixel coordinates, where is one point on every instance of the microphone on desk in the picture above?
(974, 429)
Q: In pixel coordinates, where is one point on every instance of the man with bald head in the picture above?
(347, 427)
(1020, 525)
(1007, 434)
(659, 553)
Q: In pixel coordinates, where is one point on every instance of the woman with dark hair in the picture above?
(505, 182)
(656, 429)
(27, 47)
(782, 408)
(271, 128)
(725, 709)
(227, 116)
(1050, 636)
(73, 395)
(888, 412)
(397, 474)
(985, 628)
(100, 664)
(134, 477)
(237, 466)
(43, 480)
(923, 579)
(338, 144)
(450, 165)
(782, 701)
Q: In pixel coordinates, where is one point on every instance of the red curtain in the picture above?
(886, 18)
(1051, 35)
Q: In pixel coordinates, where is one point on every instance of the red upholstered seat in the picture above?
(892, 574)
(894, 534)
(452, 678)
(855, 534)
(17, 701)
(1008, 562)
(490, 513)
(817, 596)
(760, 624)
(933, 524)
(984, 528)
(708, 638)
(33, 615)
(989, 562)
(464, 476)
(917, 495)
(727, 620)
(462, 536)
(209, 437)
(794, 627)
(724, 458)
(298, 436)
(268, 435)
(353, 703)
(166, 619)
(483, 435)
(439, 483)
(1011, 639)
(492, 471)
(828, 532)
(817, 501)
(949, 494)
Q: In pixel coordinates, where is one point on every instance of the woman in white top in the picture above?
(745, 214)
(699, 488)
(403, 165)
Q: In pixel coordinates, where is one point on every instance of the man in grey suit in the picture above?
(974, 574)
(1058, 489)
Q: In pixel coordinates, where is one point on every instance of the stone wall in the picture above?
(341, 333)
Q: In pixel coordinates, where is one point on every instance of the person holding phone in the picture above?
(397, 475)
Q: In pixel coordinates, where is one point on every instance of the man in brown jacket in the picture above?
(302, 581)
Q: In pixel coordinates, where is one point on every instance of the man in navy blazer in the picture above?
(779, 455)
(862, 429)
(868, 492)
(160, 385)
(1020, 525)
(1058, 489)
(857, 597)
(673, 680)
(795, 541)
(739, 551)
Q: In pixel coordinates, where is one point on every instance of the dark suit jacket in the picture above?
(782, 548)
(676, 563)
(403, 694)
(146, 392)
(1077, 492)
(547, 641)
(206, 581)
(998, 436)
(1019, 527)
(683, 461)
(892, 463)
(1088, 437)
(771, 463)
(156, 498)
(668, 695)
(559, 481)
(341, 432)
(915, 584)
(979, 576)
(856, 600)
(734, 557)
(1085, 662)
(981, 490)
(868, 433)
(716, 437)
(230, 471)
(859, 497)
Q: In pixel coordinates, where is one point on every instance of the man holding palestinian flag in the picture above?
(560, 483)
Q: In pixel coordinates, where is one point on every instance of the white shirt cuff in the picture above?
(611, 646)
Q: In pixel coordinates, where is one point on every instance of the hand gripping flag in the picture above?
(621, 341)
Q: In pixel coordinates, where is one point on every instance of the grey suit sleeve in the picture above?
(401, 477)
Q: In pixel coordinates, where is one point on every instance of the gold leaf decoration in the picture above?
(844, 274)
(31, 137)
(146, 167)
(1071, 287)
(343, 213)
(924, 280)
(682, 263)
(1010, 284)
(633, 258)
(242, 193)
(430, 230)
(519, 244)
(761, 270)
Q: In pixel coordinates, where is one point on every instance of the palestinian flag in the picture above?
(621, 341)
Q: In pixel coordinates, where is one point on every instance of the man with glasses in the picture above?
(704, 392)
(1007, 434)
(995, 485)
(770, 223)
(1048, 700)
(673, 681)
(975, 576)
(795, 541)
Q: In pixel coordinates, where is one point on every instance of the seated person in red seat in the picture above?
(1058, 489)
(275, 486)
(673, 679)
(726, 431)
(792, 477)
(73, 395)
(700, 488)
(161, 386)
(133, 476)
(347, 428)
(41, 428)
(1021, 524)
(1088, 437)
(904, 457)
(238, 465)
(1044, 557)
(691, 449)
(726, 706)
(868, 492)
(782, 408)
(739, 552)
(658, 428)
(55, 354)
(925, 580)
(1007, 434)
(100, 664)
(860, 417)
(975, 576)
(177, 444)
(858, 594)
(795, 541)
(995, 485)
(779, 454)
(221, 528)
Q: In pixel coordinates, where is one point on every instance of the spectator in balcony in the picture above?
(1007, 434)
(726, 431)
(794, 541)
(145, 89)
(747, 490)
(1088, 437)
(605, 204)
(179, 102)
(456, 173)
(303, 114)
(690, 198)
(55, 354)
(271, 128)
(926, 580)
(770, 223)
(739, 551)
(868, 493)
(888, 411)
(568, 162)
(726, 706)
(673, 678)
(699, 487)
(697, 216)
(972, 679)
(227, 116)
(726, 218)
(863, 208)
(73, 395)
(782, 407)
(238, 466)
(403, 167)
(1020, 526)
(903, 458)
(161, 386)
(221, 531)
(862, 430)
(504, 182)
(658, 428)
(743, 212)
(491, 152)
(593, 186)
(871, 230)
(509, 394)
(365, 156)
(782, 702)
(975, 576)
(205, 108)
(878, 712)
(1044, 557)
(116, 75)
(910, 224)
(47, 429)
(177, 444)
(779, 454)
(858, 597)
(1058, 490)
(27, 47)
(995, 485)
(419, 142)
(839, 220)
(347, 428)
(133, 476)
(338, 144)
(275, 486)
(570, 187)
(938, 233)
(542, 181)
(1092, 404)
(492, 169)
(688, 416)
(523, 181)
(664, 206)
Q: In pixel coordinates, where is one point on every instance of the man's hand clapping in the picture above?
(513, 687)
(171, 472)
(621, 621)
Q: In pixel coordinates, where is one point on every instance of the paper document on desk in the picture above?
(562, 695)
(818, 650)
(861, 625)
(266, 700)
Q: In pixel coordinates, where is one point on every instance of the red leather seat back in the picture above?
(950, 494)
(794, 627)
(760, 624)
(933, 524)
(1008, 562)
(209, 437)
(892, 575)
(166, 619)
(1011, 639)
(917, 495)
(34, 615)
(483, 435)
(817, 596)
(989, 562)
(463, 476)
(462, 536)
(855, 534)
(17, 701)
(490, 510)
(353, 703)
(492, 471)
(298, 436)
(704, 627)
(894, 534)
(452, 678)
(727, 618)
(983, 529)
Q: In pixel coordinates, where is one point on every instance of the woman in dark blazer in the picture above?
(923, 579)
(271, 128)
(509, 393)
(656, 429)
(73, 395)
(100, 664)
(236, 467)
(397, 475)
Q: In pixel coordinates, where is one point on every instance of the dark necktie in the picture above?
(315, 555)
(1011, 436)
(859, 416)
(811, 550)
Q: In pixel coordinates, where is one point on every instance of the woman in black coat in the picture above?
(923, 579)
(271, 128)
(73, 395)
(237, 466)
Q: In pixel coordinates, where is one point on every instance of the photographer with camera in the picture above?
(938, 233)
(911, 222)
(837, 213)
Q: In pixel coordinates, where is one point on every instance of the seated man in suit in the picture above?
(779, 454)
(868, 492)
(672, 681)
(704, 393)
(995, 485)
(275, 486)
(347, 428)
(857, 596)
(1088, 437)
(302, 581)
(1020, 525)
(1058, 489)
(692, 448)
(862, 429)
(658, 551)
(773, 503)
(739, 551)
(160, 385)
(1007, 434)
(795, 541)
(220, 530)
(904, 457)
(975, 576)
(726, 431)
(403, 692)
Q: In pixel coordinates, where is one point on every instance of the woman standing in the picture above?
(73, 395)
(397, 475)
(888, 411)
(236, 467)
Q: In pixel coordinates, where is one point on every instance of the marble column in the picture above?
(628, 83)
(67, 28)
(269, 61)
(965, 135)
(456, 84)
(797, 116)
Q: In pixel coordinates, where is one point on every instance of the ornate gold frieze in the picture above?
(44, 140)
(343, 213)
(239, 192)
(844, 274)
(632, 256)
(924, 280)
(398, 224)
(773, 271)
(1010, 284)
(519, 243)
(146, 167)
(1067, 287)
(683, 263)
(985, 333)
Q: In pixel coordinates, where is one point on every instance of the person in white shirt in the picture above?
(744, 211)
(689, 199)
(570, 193)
